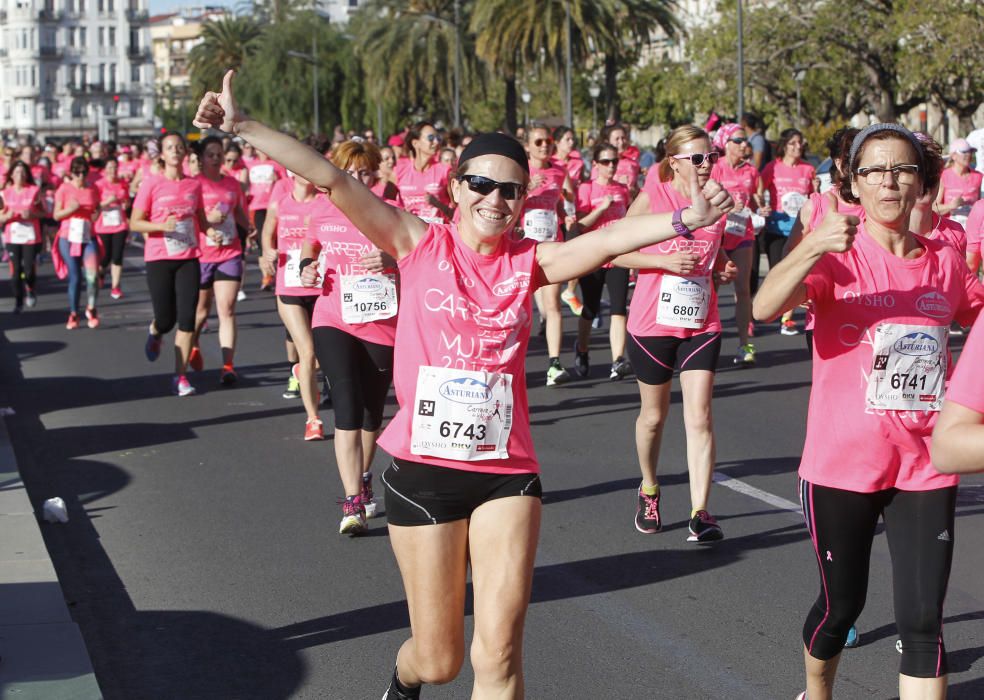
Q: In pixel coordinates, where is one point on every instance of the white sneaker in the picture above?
(241, 296)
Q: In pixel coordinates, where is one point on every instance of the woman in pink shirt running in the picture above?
(112, 224)
(20, 216)
(960, 185)
(463, 491)
(76, 249)
(884, 299)
(423, 181)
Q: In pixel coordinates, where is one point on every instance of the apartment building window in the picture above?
(134, 39)
(112, 77)
(81, 7)
(50, 110)
(69, 6)
(102, 36)
(134, 74)
(82, 41)
(34, 76)
(69, 36)
(83, 74)
(110, 6)
(76, 109)
(136, 107)
(102, 75)
(101, 5)
(112, 36)
(6, 110)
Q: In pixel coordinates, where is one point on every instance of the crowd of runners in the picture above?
(424, 263)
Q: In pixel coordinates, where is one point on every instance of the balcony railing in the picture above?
(50, 52)
(137, 53)
(49, 15)
(137, 15)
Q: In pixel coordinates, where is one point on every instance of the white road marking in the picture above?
(749, 490)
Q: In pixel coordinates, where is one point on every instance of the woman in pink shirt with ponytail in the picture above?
(463, 492)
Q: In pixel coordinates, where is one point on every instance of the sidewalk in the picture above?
(42, 654)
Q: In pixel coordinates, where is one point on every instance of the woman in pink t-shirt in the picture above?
(112, 225)
(569, 158)
(884, 299)
(463, 491)
(600, 203)
(550, 190)
(354, 326)
(284, 232)
(926, 222)
(741, 179)
(958, 438)
(221, 259)
(675, 323)
(170, 212)
(76, 250)
(20, 216)
(423, 181)
(960, 185)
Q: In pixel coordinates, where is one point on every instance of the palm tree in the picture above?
(407, 49)
(226, 43)
(510, 34)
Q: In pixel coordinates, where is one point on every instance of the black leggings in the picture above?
(113, 245)
(919, 528)
(22, 263)
(359, 374)
(174, 293)
(617, 279)
(773, 244)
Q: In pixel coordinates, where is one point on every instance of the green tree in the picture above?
(226, 43)
(661, 94)
(407, 49)
(941, 53)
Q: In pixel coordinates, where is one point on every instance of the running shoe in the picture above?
(30, 299)
(704, 528)
(788, 327)
(801, 696)
(91, 318)
(314, 429)
(647, 520)
(581, 364)
(241, 296)
(853, 638)
(353, 517)
(195, 359)
(368, 500)
(597, 322)
(266, 284)
(557, 374)
(228, 376)
(18, 308)
(621, 368)
(398, 691)
(181, 386)
(293, 390)
(116, 293)
(73, 321)
(746, 355)
(152, 348)
(572, 301)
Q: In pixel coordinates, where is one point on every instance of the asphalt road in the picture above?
(202, 561)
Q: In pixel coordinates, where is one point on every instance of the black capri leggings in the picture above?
(174, 293)
(113, 245)
(919, 528)
(774, 244)
(359, 374)
(617, 279)
(22, 268)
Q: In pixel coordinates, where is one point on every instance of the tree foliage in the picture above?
(226, 43)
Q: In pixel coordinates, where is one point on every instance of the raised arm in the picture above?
(390, 229)
(783, 288)
(560, 262)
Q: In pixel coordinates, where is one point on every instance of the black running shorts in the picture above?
(655, 357)
(421, 494)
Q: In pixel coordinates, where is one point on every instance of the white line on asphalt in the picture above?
(749, 490)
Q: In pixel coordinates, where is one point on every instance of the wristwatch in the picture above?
(679, 226)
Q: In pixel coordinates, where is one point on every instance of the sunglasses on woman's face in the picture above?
(541, 142)
(738, 139)
(433, 137)
(607, 161)
(486, 186)
(697, 159)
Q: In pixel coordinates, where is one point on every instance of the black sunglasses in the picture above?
(738, 139)
(607, 161)
(486, 186)
(540, 142)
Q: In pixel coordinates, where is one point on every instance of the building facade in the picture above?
(69, 67)
(172, 37)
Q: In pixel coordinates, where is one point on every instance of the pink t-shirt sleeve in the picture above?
(584, 198)
(975, 227)
(819, 283)
(967, 383)
(973, 299)
(142, 200)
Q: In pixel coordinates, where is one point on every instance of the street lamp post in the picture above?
(594, 90)
(526, 97)
(569, 103)
(799, 76)
(741, 62)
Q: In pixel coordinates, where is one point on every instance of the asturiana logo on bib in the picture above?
(689, 288)
(368, 284)
(917, 344)
(466, 390)
(517, 283)
(934, 304)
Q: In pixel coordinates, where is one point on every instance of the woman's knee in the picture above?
(439, 662)
(495, 658)
(651, 419)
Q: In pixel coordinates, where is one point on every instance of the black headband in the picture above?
(496, 144)
(873, 129)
